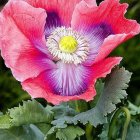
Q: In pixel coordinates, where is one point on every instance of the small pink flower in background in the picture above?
(57, 49)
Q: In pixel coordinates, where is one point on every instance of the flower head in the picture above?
(57, 49)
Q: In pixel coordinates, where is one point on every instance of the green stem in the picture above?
(114, 119)
(77, 106)
(89, 129)
(128, 118)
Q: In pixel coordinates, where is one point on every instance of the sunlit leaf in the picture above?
(69, 133)
(5, 122)
(30, 112)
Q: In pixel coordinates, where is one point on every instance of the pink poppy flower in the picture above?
(57, 49)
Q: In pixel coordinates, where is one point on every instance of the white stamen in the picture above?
(76, 57)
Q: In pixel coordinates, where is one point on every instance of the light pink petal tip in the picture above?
(90, 3)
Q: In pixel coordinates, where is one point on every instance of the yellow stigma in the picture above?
(68, 44)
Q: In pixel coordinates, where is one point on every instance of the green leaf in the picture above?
(112, 93)
(104, 134)
(134, 110)
(22, 133)
(99, 89)
(69, 133)
(44, 128)
(133, 131)
(82, 105)
(63, 110)
(79, 105)
(5, 122)
(51, 135)
(30, 112)
(114, 90)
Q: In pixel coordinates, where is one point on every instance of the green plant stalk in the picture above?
(128, 118)
(126, 124)
(77, 107)
(89, 129)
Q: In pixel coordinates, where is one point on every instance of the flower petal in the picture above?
(102, 68)
(40, 87)
(95, 36)
(67, 82)
(52, 22)
(62, 8)
(36, 90)
(91, 3)
(111, 13)
(110, 43)
(68, 79)
(19, 54)
(30, 21)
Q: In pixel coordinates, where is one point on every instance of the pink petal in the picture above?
(67, 79)
(1, 29)
(110, 43)
(19, 54)
(91, 3)
(39, 87)
(102, 68)
(111, 13)
(63, 8)
(95, 36)
(67, 82)
(30, 20)
(36, 91)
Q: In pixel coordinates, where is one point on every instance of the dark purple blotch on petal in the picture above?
(65, 92)
(96, 35)
(52, 21)
(102, 30)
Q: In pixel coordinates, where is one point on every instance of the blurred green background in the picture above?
(11, 92)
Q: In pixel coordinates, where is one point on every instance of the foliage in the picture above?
(11, 92)
(65, 121)
(133, 131)
(69, 133)
(29, 132)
